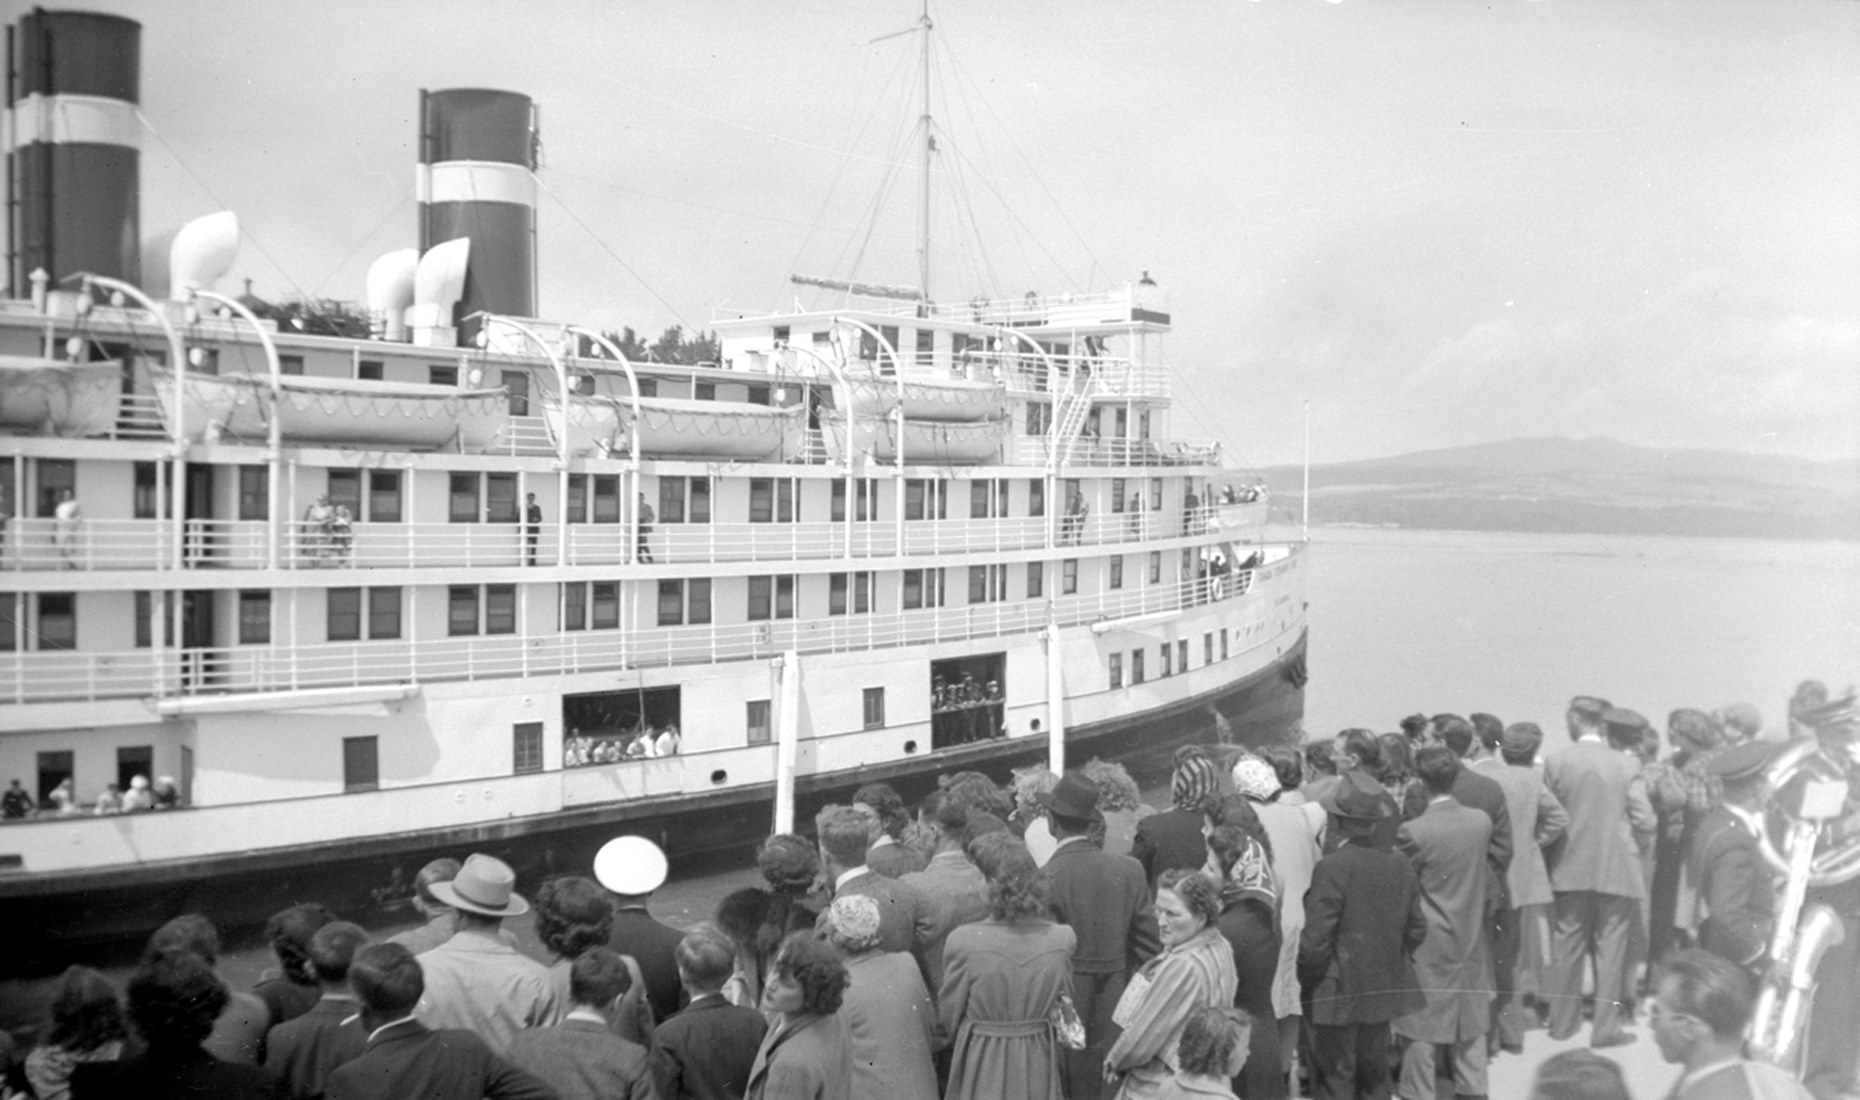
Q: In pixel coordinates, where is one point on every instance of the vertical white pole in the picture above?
(1306, 523)
(787, 736)
(1055, 701)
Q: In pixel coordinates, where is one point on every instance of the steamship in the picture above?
(353, 588)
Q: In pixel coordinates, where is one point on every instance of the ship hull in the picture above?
(82, 916)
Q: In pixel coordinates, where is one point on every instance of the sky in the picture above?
(1438, 223)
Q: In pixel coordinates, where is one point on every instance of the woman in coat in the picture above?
(891, 1025)
(1249, 923)
(87, 1026)
(1195, 970)
(804, 1055)
(1001, 980)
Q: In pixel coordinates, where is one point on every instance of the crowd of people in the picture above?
(1365, 916)
(643, 743)
(17, 804)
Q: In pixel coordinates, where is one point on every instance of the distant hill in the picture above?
(1599, 486)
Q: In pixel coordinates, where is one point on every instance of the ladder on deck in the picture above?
(1074, 408)
(525, 435)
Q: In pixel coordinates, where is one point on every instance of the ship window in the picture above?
(1036, 579)
(343, 614)
(1117, 494)
(442, 376)
(144, 499)
(1156, 567)
(1207, 648)
(254, 492)
(965, 699)
(671, 603)
(384, 496)
(836, 593)
(361, 764)
(865, 494)
(500, 609)
(345, 491)
(384, 613)
(926, 343)
(517, 382)
(500, 498)
(649, 387)
(606, 498)
(1117, 571)
(1115, 666)
(889, 334)
(771, 597)
(704, 391)
(9, 619)
(369, 370)
(697, 600)
(781, 334)
(925, 499)
(57, 476)
(1036, 497)
(144, 615)
(575, 605)
(1181, 655)
(1069, 577)
(1039, 417)
(461, 609)
(464, 498)
(771, 500)
(923, 588)
(756, 721)
(841, 585)
(526, 747)
(1120, 423)
(758, 395)
(255, 616)
(606, 605)
(1223, 643)
(1136, 666)
(1143, 425)
(684, 500)
(1163, 664)
(57, 625)
(874, 708)
(134, 760)
(1156, 494)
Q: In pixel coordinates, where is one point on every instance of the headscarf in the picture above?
(1194, 783)
(1255, 778)
(854, 919)
(1252, 878)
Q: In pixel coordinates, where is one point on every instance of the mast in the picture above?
(923, 193)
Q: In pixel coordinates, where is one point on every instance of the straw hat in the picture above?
(484, 885)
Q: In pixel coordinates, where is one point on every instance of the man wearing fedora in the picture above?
(1105, 898)
(1363, 923)
(476, 980)
(631, 868)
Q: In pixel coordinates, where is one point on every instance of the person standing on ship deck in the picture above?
(643, 551)
(532, 526)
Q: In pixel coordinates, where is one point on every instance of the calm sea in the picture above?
(1515, 624)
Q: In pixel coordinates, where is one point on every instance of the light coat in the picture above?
(1606, 797)
(1000, 982)
(1448, 845)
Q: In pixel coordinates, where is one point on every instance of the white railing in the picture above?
(40, 677)
(86, 544)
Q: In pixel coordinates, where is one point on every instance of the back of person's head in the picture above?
(1287, 764)
(741, 912)
(1210, 1038)
(1397, 759)
(1414, 727)
(1117, 791)
(387, 979)
(981, 823)
(573, 914)
(1438, 766)
(332, 949)
(1029, 783)
(439, 870)
(1521, 742)
(190, 933)
(1016, 892)
(884, 802)
(788, 863)
(1579, 1075)
(1489, 730)
(289, 932)
(1365, 746)
(949, 815)
(598, 977)
(979, 793)
(705, 960)
(1454, 732)
(86, 1012)
(844, 836)
(1321, 757)
(174, 999)
(1715, 990)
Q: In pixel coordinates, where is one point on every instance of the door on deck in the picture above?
(200, 655)
(204, 541)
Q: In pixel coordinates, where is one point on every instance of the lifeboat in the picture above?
(942, 400)
(53, 397)
(929, 442)
(671, 427)
(357, 412)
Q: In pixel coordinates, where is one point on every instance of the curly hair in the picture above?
(884, 802)
(572, 915)
(1210, 1037)
(817, 968)
(289, 932)
(788, 863)
(1117, 792)
(174, 1000)
(190, 933)
(979, 793)
(1016, 891)
(85, 1011)
(1237, 810)
(1200, 894)
(1029, 783)
(1287, 763)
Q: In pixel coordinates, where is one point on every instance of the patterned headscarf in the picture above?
(854, 919)
(1194, 784)
(1252, 877)
(1255, 778)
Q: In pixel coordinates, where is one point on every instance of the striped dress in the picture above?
(1196, 973)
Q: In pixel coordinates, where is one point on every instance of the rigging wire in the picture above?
(615, 256)
(362, 241)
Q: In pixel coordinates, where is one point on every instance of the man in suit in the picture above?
(476, 979)
(631, 868)
(305, 1051)
(1363, 922)
(581, 1058)
(1106, 901)
(1449, 845)
(1537, 821)
(1476, 789)
(1734, 882)
(440, 920)
(404, 1058)
(706, 1051)
(903, 921)
(952, 888)
(1595, 873)
(885, 815)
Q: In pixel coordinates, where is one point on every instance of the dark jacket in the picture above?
(651, 944)
(409, 1059)
(1363, 922)
(193, 1074)
(904, 924)
(583, 1060)
(1735, 885)
(706, 1051)
(1170, 841)
(1105, 899)
(306, 1050)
